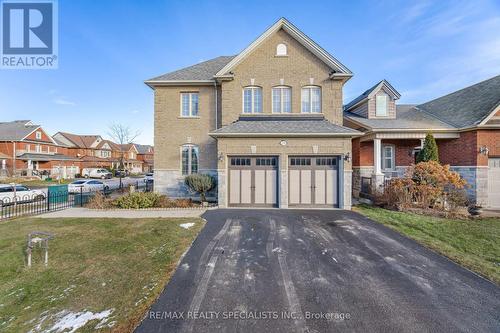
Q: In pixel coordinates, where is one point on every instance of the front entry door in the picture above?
(253, 181)
(313, 181)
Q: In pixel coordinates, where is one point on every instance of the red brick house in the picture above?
(26, 149)
(146, 156)
(465, 124)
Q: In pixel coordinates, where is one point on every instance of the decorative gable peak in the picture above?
(338, 69)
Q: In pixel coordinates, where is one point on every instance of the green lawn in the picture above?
(36, 183)
(474, 244)
(112, 269)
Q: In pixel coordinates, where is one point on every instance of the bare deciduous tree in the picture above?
(122, 135)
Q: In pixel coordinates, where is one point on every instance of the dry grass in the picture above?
(94, 265)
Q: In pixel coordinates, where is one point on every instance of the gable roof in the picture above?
(282, 125)
(144, 149)
(466, 107)
(80, 141)
(207, 71)
(302, 38)
(203, 71)
(408, 117)
(364, 96)
(16, 130)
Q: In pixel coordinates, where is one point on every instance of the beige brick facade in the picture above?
(299, 68)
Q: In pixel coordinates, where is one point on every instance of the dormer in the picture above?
(378, 102)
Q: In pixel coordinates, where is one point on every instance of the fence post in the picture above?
(48, 200)
(81, 196)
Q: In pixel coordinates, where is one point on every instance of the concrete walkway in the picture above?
(123, 213)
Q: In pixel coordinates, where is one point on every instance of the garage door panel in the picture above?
(260, 186)
(294, 187)
(271, 187)
(246, 186)
(313, 181)
(331, 186)
(494, 182)
(319, 187)
(234, 187)
(305, 187)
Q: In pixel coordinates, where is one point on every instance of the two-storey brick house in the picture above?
(266, 123)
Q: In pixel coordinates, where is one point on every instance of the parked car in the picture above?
(148, 177)
(96, 173)
(121, 173)
(86, 186)
(22, 194)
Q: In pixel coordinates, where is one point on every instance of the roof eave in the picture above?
(279, 135)
(159, 83)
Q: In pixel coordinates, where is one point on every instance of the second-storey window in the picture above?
(189, 159)
(252, 100)
(311, 99)
(189, 104)
(282, 97)
(381, 105)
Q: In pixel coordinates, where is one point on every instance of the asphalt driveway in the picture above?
(317, 271)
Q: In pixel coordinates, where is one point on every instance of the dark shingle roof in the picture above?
(202, 71)
(468, 106)
(144, 149)
(45, 157)
(284, 125)
(16, 130)
(408, 117)
(368, 92)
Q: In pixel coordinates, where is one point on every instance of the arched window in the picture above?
(252, 99)
(311, 99)
(189, 159)
(282, 99)
(281, 50)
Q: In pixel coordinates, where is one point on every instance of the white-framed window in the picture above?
(189, 159)
(381, 105)
(105, 153)
(38, 135)
(28, 148)
(281, 50)
(282, 99)
(252, 99)
(38, 148)
(388, 157)
(311, 99)
(189, 104)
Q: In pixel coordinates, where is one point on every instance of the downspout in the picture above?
(216, 111)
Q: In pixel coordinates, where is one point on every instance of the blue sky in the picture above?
(108, 48)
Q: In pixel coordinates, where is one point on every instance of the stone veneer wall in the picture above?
(477, 178)
(357, 174)
(171, 183)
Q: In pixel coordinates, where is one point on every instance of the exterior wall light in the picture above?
(221, 157)
(347, 157)
(484, 150)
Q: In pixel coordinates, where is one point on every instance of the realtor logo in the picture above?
(29, 34)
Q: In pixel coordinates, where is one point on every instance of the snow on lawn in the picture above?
(186, 225)
(67, 321)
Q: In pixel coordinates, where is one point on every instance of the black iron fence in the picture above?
(20, 204)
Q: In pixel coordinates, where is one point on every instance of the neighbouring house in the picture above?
(130, 159)
(27, 150)
(145, 154)
(267, 123)
(92, 151)
(465, 124)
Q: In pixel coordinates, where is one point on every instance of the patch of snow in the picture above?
(186, 225)
(67, 321)
(324, 251)
(185, 266)
(334, 259)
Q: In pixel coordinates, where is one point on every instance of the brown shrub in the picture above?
(99, 201)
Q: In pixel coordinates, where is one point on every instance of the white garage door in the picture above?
(313, 181)
(494, 182)
(253, 181)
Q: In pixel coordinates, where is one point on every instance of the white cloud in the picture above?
(135, 111)
(63, 101)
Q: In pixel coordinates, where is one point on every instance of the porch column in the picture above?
(378, 176)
